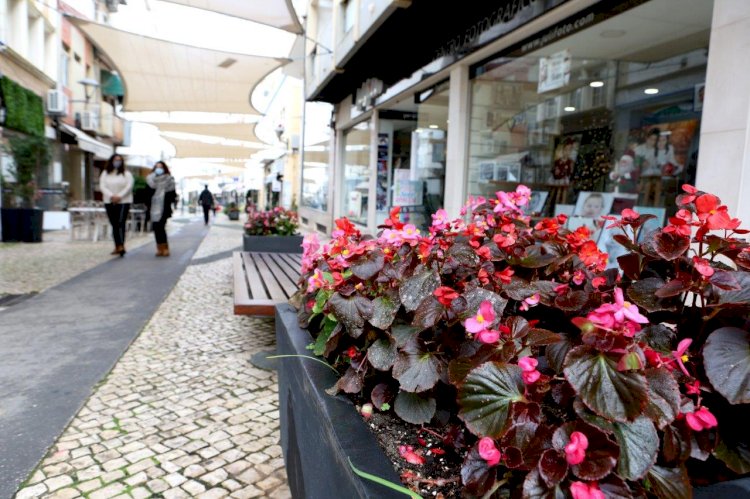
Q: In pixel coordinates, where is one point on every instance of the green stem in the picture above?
(384, 482)
(329, 366)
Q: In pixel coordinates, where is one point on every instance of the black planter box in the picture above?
(233, 215)
(273, 244)
(320, 433)
(22, 224)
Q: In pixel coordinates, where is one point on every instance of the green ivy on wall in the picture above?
(24, 109)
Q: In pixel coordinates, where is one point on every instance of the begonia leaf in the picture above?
(486, 396)
(518, 289)
(329, 329)
(740, 296)
(350, 382)
(403, 333)
(674, 287)
(736, 455)
(726, 356)
(351, 312)
(384, 310)
(519, 327)
(555, 353)
(414, 408)
(428, 313)
(601, 454)
(415, 368)
(743, 259)
(670, 483)
(725, 280)
(552, 467)
(369, 264)
(630, 265)
(643, 294)
(382, 354)
(476, 476)
(535, 257)
(463, 254)
(669, 245)
(534, 487)
(615, 487)
(617, 395)
(625, 241)
(381, 394)
(675, 447)
(572, 300)
(663, 396)
(476, 296)
(416, 288)
(539, 337)
(659, 337)
(639, 446)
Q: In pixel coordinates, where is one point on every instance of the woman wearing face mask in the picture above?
(116, 184)
(161, 204)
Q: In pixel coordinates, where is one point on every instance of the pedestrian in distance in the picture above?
(116, 184)
(162, 182)
(207, 201)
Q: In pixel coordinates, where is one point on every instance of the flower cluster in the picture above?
(275, 222)
(545, 372)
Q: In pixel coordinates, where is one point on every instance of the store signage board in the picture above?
(554, 71)
(367, 93)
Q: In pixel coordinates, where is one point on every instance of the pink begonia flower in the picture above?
(310, 247)
(440, 219)
(703, 267)
(531, 301)
(482, 320)
(680, 356)
(407, 452)
(575, 451)
(316, 281)
(488, 336)
(410, 233)
(627, 309)
(583, 490)
(701, 419)
(489, 452)
(579, 277)
(530, 375)
(598, 281)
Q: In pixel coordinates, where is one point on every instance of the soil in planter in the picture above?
(439, 476)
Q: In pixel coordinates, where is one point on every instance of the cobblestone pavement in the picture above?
(183, 413)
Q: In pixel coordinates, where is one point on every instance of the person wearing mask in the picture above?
(207, 201)
(162, 182)
(116, 184)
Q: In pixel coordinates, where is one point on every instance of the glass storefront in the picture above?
(317, 149)
(602, 120)
(411, 160)
(356, 173)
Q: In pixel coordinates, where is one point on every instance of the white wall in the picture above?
(724, 158)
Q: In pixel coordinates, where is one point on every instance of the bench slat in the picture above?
(257, 290)
(280, 273)
(241, 292)
(291, 265)
(274, 290)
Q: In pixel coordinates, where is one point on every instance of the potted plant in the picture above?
(508, 354)
(232, 211)
(272, 231)
(20, 219)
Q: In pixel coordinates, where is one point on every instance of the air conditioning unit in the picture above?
(57, 103)
(89, 121)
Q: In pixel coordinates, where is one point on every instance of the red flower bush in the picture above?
(551, 375)
(275, 222)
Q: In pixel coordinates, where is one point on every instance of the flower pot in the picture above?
(22, 224)
(321, 433)
(273, 244)
(724, 490)
(233, 215)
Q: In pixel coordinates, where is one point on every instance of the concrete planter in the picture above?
(273, 244)
(22, 224)
(320, 433)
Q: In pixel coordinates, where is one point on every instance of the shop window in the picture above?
(317, 154)
(357, 173)
(594, 124)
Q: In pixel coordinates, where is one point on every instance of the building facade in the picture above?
(595, 105)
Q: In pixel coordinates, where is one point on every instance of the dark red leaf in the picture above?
(615, 487)
(643, 294)
(534, 487)
(625, 241)
(726, 356)
(476, 476)
(539, 337)
(381, 394)
(630, 265)
(552, 467)
(572, 300)
(428, 313)
(674, 287)
(351, 381)
(670, 246)
(725, 280)
(670, 483)
(601, 454)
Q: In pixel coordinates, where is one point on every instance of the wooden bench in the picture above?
(262, 280)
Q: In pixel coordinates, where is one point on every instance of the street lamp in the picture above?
(89, 86)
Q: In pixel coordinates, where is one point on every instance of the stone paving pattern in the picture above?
(183, 413)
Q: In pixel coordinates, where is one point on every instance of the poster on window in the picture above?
(406, 192)
(354, 206)
(554, 71)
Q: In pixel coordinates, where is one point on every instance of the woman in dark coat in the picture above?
(162, 182)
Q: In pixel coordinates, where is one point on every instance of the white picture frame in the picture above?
(593, 204)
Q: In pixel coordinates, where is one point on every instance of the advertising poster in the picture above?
(554, 71)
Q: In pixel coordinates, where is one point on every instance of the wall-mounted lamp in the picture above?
(89, 87)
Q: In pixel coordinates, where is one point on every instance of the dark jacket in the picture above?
(206, 198)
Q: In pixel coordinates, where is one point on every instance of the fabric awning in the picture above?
(111, 84)
(195, 149)
(277, 13)
(165, 76)
(234, 131)
(100, 150)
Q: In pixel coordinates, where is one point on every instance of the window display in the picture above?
(357, 172)
(317, 149)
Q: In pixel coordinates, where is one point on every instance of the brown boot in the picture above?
(159, 249)
(116, 251)
(165, 249)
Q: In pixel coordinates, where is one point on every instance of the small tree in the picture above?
(29, 154)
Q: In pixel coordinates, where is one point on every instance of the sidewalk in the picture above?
(182, 413)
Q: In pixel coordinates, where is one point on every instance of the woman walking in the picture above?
(161, 204)
(116, 184)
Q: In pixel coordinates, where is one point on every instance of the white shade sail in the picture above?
(233, 131)
(277, 13)
(195, 149)
(165, 76)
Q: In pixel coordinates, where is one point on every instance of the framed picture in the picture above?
(564, 209)
(594, 225)
(536, 202)
(594, 204)
(622, 201)
(487, 171)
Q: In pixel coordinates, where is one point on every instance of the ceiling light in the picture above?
(613, 33)
(651, 91)
(227, 62)
(433, 126)
(569, 109)
(596, 84)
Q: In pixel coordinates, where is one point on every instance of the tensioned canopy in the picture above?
(277, 13)
(234, 131)
(195, 149)
(167, 76)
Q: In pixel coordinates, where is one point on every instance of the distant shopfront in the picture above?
(598, 109)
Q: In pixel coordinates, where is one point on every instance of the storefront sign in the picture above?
(554, 71)
(406, 192)
(367, 93)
